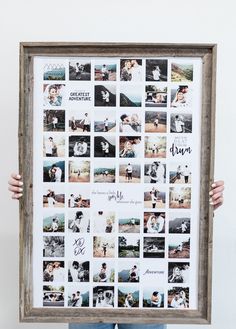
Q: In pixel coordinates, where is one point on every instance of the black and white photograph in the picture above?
(53, 94)
(79, 121)
(179, 246)
(128, 296)
(154, 222)
(129, 246)
(78, 271)
(103, 246)
(155, 147)
(153, 297)
(130, 122)
(156, 70)
(104, 221)
(105, 95)
(178, 272)
(54, 71)
(78, 221)
(153, 247)
(155, 172)
(181, 97)
(130, 96)
(104, 172)
(103, 296)
(105, 121)
(129, 173)
(179, 222)
(155, 122)
(105, 71)
(79, 197)
(180, 173)
(80, 69)
(178, 297)
(131, 70)
(180, 197)
(53, 271)
(104, 147)
(181, 123)
(53, 222)
(53, 145)
(54, 120)
(128, 271)
(181, 72)
(130, 147)
(155, 96)
(79, 146)
(154, 197)
(53, 171)
(53, 196)
(79, 171)
(129, 222)
(78, 295)
(54, 246)
(104, 271)
(53, 296)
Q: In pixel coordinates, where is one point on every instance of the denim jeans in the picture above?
(112, 325)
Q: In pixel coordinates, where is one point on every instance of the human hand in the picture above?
(15, 185)
(216, 194)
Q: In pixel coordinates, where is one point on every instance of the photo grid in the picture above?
(116, 129)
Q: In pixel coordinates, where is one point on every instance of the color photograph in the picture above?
(180, 173)
(131, 70)
(53, 172)
(105, 121)
(129, 173)
(154, 197)
(155, 122)
(130, 122)
(179, 222)
(155, 147)
(156, 70)
(153, 297)
(130, 96)
(53, 222)
(79, 121)
(181, 72)
(54, 71)
(179, 247)
(54, 120)
(53, 145)
(178, 297)
(53, 196)
(180, 197)
(104, 221)
(155, 96)
(53, 271)
(129, 246)
(128, 296)
(78, 296)
(53, 95)
(128, 271)
(105, 71)
(129, 222)
(154, 222)
(104, 271)
(130, 147)
(104, 172)
(79, 171)
(103, 247)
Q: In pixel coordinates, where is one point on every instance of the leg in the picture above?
(142, 326)
(91, 325)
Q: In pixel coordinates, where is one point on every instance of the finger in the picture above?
(16, 176)
(16, 196)
(218, 205)
(217, 196)
(217, 183)
(217, 189)
(220, 200)
(15, 189)
(15, 182)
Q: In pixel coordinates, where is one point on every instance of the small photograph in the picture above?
(131, 70)
(105, 146)
(78, 222)
(54, 120)
(54, 222)
(53, 246)
(153, 247)
(129, 223)
(104, 221)
(79, 121)
(79, 146)
(79, 171)
(181, 72)
(78, 296)
(53, 271)
(103, 271)
(105, 95)
(153, 298)
(154, 222)
(105, 72)
(180, 173)
(155, 147)
(181, 123)
(53, 197)
(53, 95)
(130, 122)
(53, 172)
(156, 96)
(180, 197)
(181, 97)
(78, 271)
(54, 71)
(179, 223)
(53, 145)
(130, 96)
(128, 296)
(103, 296)
(156, 70)
(154, 197)
(103, 247)
(53, 296)
(129, 173)
(104, 172)
(128, 272)
(155, 172)
(79, 197)
(178, 297)
(80, 69)
(130, 147)
(105, 121)
(129, 246)
(178, 272)
(155, 122)
(179, 246)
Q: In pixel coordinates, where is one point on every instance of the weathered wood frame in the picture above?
(30, 314)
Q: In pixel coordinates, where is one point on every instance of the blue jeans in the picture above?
(112, 325)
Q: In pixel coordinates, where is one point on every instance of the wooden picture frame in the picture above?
(27, 129)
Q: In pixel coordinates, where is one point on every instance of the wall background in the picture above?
(211, 21)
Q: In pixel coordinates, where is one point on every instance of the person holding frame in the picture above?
(215, 199)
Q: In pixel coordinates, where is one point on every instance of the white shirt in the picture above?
(156, 75)
(179, 126)
(136, 73)
(58, 174)
(79, 301)
(129, 168)
(51, 201)
(48, 147)
(58, 274)
(137, 149)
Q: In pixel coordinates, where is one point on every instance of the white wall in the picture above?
(211, 21)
